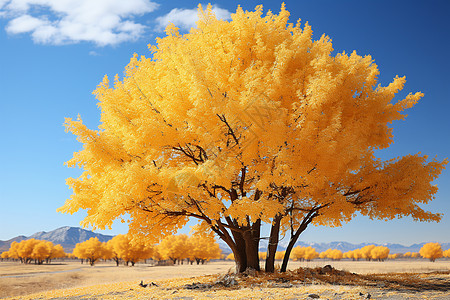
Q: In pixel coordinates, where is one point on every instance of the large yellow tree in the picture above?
(243, 122)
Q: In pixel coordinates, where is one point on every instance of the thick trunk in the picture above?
(240, 256)
(252, 237)
(273, 244)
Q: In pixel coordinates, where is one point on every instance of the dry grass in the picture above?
(385, 280)
(18, 279)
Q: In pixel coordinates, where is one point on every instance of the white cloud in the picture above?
(24, 23)
(185, 18)
(103, 22)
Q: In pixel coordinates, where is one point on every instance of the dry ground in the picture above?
(407, 279)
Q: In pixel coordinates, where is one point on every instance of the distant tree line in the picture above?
(431, 251)
(173, 248)
(32, 250)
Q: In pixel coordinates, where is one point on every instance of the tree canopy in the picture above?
(244, 122)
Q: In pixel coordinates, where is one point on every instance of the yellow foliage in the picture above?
(174, 247)
(304, 253)
(32, 249)
(203, 248)
(394, 256)
(230, 256)
(353, 254)
(432, 251)
(366, 252)
(279, 255)
(446, 253)
(379, 253)
(90, 250)
(237, 122)
(333, 254)
(129, 251)
(369, 252)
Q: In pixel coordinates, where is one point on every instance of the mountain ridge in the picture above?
(68, 237)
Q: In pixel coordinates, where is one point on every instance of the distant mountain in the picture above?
(4, 245)
(344, 246)
(67, 237)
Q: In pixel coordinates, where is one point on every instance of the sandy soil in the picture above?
(17, 279)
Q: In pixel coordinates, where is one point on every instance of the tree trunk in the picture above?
(251, 237)
(273, 244)
(240, 256)
(294, 237)
(287, 254)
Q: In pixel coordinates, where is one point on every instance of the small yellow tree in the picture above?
(379, 253)
(366, 252)
(91, 250)
(41, 251)
(174, 247)
(262, 255)
(336, 254)
(279, 255)
(353, 254)
(298, 253)
(203, 247)
(394, 256)
(4, 255)
(157, 256)
(310, 253)
(130, 251)
(57, 252)
(112, 253)
(432, 251)
(25, 250)
(446, 253)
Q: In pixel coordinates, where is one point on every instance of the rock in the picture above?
(226, 281)
(314, 296)
(327, 269)
(197, 285)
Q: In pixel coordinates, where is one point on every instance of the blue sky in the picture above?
(54, 53)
